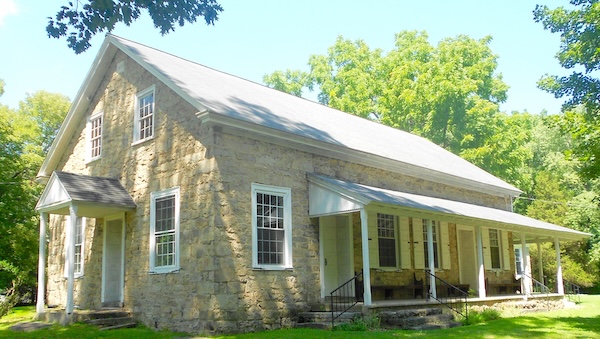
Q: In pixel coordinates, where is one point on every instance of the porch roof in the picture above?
(93, 196)
(330, 196)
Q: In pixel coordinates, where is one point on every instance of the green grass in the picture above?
(580, 322)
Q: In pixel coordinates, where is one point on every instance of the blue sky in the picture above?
(254, 38)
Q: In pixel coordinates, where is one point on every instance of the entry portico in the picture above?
(79, 196)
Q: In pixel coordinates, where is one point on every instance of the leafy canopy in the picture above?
(81, 20)
(579, 29)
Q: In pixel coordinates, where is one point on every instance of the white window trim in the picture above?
(92, 117)
(437, 241)
(68, 243)
(396, 222)
(500, 248)
(157, 195)
(287, 226)
(136, 116)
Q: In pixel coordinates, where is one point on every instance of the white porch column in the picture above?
(364, 230)
(541, 263)
(431, 263)
(560, 287)
(41, 291)
(71, 258)
(481, 269)
(526, 280)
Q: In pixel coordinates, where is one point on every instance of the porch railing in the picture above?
(450, 296)
(537, 288)
(572, 291)
(346, 296)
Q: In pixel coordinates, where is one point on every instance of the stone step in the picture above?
(116, 327)
(107, 322)
(321, 316)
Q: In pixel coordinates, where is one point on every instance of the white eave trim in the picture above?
(242, 128)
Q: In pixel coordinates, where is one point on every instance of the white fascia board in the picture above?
(155, 72)
(78, 108)
(241, 128)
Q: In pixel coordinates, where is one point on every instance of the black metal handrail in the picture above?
(346, 296)
(572, 291)
(537, 287)
(453, 297)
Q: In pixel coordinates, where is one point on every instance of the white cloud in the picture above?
(7, 7)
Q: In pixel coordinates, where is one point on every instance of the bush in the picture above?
(361, 323)
(477, 317)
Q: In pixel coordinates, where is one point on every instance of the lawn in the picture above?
(580, 322)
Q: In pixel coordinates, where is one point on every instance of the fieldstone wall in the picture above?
(216, 288)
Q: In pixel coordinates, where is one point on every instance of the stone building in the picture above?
(200, 201)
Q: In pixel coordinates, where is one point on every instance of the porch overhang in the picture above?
(329, 196)
(94, 197)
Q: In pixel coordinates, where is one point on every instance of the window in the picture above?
(144, 116)
(434, 232)
(164, 231)
(386, 232)
(271, 227)
(518, 261)
(95, 136)
(79, 247)
(495, 248)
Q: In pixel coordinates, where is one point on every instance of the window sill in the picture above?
(164, 271)
(277, 268)
(139, 142)
(93, 160)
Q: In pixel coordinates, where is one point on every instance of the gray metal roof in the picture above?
(89, 189)
(504, 219)
(247, 101)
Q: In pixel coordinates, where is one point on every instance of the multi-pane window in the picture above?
(271, 227)
(78, 247)
(434, 234)
(95, 136)
(144, 115)
(518, 261)
(386, 232)
(164, 241)
(495, 248)
(78, 262)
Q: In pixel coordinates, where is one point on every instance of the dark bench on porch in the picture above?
(416, 288)
(505, 287)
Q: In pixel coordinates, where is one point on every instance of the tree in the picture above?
(448, 93)
(25, 135)
(579, 29)
(79, 21)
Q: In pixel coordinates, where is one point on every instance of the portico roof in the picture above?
(330, 196)
(93, 196)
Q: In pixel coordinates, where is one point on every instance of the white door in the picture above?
(112, 263)
(467, 258)
(337, 262)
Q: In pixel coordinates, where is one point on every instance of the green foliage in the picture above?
(579, 29)
(483, 316)
(25, 135)
(361, 323)
(79, 22)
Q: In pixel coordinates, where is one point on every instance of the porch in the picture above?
(398, 240)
